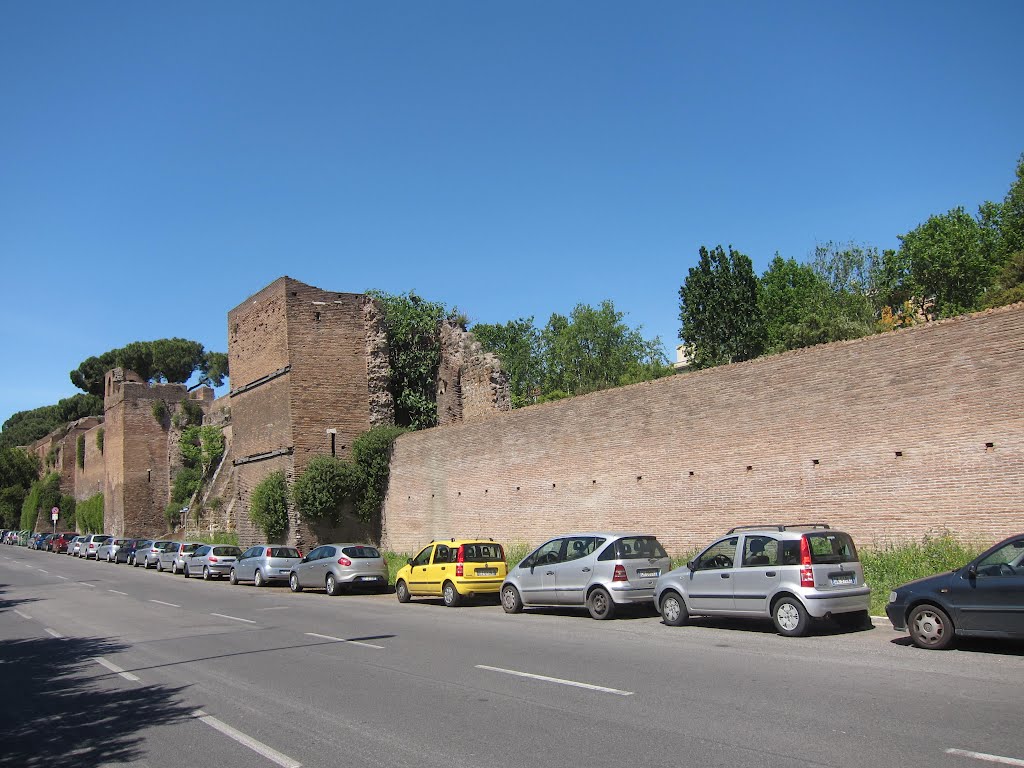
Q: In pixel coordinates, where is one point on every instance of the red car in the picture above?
(59, 543)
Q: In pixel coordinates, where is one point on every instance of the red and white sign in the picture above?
(54, 514)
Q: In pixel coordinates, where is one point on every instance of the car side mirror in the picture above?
(692, 565)
(408, 561)
(972, 571)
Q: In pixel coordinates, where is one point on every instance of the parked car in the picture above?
(338, 566)
(984, 598)
(74, 545)
(126, 552)
(147, 554)
(599, 571)
(35, 539)
(453, 569)
(108, 549)
(789, 573)
(91, 543)
(211, 560)
(59, 543)
(174, 554)
(265, 563)
(44, 543)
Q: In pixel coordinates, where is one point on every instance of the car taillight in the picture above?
(344, 561)
(270, 553)
(620, 573)
(806, 572)
(460, 558)
(299, 551)
(212, 559)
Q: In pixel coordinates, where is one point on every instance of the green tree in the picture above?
(175, 360)
(201, 448)
(594, 349)
(517, 344)
(718, 309)
(43, 495)
(89, 514)
(791, 294)
(18, 471)
(213, 370)
(268, 506)
(371, 452)
(25, 427)
(324, 487)
(171, 360)
(1011, 223)
(414, 355)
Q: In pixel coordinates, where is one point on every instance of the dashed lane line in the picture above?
(347, 642)
(52, 632)
(256, 746)
(116, 669)
(117, 592)
(161, 602)
(985, 757)
(233, 618)
(23, 615)
(558, 680)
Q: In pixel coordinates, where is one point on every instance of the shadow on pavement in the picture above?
(970, 645)
(8, 603)
(56, 713)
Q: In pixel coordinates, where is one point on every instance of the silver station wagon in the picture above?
(791, 573)
(599, 571)
(264, 564)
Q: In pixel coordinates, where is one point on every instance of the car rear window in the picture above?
(282, 552)
(481, 552)
(186, 548)
(633, 548)
(226, 551)
(360, 552)
(831, 547)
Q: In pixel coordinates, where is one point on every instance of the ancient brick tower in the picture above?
(308, 375)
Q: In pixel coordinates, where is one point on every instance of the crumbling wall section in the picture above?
(471, 385)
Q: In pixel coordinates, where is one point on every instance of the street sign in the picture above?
(55, 513)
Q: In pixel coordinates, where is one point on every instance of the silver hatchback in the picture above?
(790, 573)
(264, 564)
(211, 560)
(338, 566)
(599, 571)
(108, 550)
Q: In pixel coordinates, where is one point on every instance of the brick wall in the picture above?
(810, 435)
(89, 480)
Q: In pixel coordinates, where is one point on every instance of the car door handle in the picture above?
(724, 575)
(550, 573)
(769, 573)
(586, 570)
(442, 567)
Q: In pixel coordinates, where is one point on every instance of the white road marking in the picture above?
(233, 618)
(114, 668)
(52, 632)
(173, 605)
(985, 757)
(63, 577)
(343, 640)
(42, 571)
(23, 615)
(116, 592)
(573, 683)
(256, 746)
(86, 584)
(274, 608)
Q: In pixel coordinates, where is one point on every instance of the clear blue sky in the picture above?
(160, 162)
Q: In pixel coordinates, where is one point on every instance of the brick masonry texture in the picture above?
(809, 435)
(471, 386)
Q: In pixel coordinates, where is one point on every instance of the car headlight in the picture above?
(892, 596)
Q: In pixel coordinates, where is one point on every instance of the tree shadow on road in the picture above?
(56, 713)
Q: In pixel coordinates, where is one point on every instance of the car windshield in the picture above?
(360, 552)
(831, 547)
(283, 552)
(226, 551)
(482, 552)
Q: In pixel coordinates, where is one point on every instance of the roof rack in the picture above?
(776, 527)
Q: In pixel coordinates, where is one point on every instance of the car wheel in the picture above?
(293, 583)
(187, 574)
(133, 562)
(930, 628)
(206, 573)
(853, 620)
(600, 604)
(673, 609)
(402, 591)
(790, 617)
(160, 566)
(510, 599)
(174, 568)
(232, 578)
(332, 585)
(258, 579)
(450, 595)
(145, 563)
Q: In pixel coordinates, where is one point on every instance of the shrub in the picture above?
(44, 494)
(99, 440)
(160, 411)
(325, 485)
(372, 454)
(80, 451)
(90, 514)
(268, 508)
(67, 513)
(186, 483)
(172, 514)
(191, 413)
(202, 447)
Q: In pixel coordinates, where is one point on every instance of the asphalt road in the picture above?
(111, 665)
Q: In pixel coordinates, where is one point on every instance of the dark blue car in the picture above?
(985, 598)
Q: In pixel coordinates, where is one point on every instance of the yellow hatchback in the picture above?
(453, 569)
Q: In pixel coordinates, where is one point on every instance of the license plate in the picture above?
(836, 582)
(648, 574)
(369, 578)
(486, 571)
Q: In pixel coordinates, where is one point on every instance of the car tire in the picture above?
(206, 573)
(258, 579)
(790, 617)
(232, 578)
(402, 591)
(600, 604)
(332, 585)
(450, 595)
(160, 566)
(511, 600)
(134, 563)
(673, 609)
(293, 583)
(853, 621)
(930, 628)
(174, 567)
